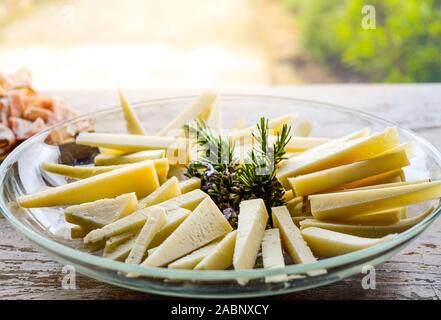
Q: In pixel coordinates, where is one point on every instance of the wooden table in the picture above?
(27, 273)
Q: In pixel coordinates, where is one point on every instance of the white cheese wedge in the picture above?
(272, 254)
(342, 205)
(252, 221)
(189, 200)
(168, 190)
(113, 242)
(370, 231)
(352, 151)
(121, 252)
(200, 109)
(190, 184)
(174, 219)
(155, 221)
(326, 243)
(191, 260)
(139, 178)
(221, 257)
(99, 213)
(326, 179)
(133, 124)
(204, 225)
(107, 159)
(292, 239)
(298, 219)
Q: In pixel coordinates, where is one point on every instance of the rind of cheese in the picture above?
(114, 242)
(372, 231)
(133, 124)
(300, 144)
(108, 160)
(121, 252)
(292, 240)
(252, 221)
(326, 179)
(341, 205)
(189, 200)
(191, 260)
(190, 184)
(352, 151)
(155, 221)
(200, 109)
(222, 256)
(204, 225)
(168, 190)
(140, 178)
(326, 243)
(97, 214)
(381, 217)
(272, 255)
(382, 178)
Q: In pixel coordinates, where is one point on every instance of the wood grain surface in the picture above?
(27, 273)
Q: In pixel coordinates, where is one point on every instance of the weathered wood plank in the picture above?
(27, 273)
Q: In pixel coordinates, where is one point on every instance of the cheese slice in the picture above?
(97, 214)
(341, 205)
(190, 184)
(296, 207)
(204, 225)
(298, 219)
(221, 257)
(112, 152)
(272, 255)
(139, 178)
(189, 200)
(191, 260)
(174, 219)
(168, 190)
(370, 231)
(302, 128)
(114, 242)
(250, 230)
(133, 124)
(292, 240)
(352, 151)
(155, 221)
(107, 159)
(326, 243)
(326, 179)
(382, 178)
(121, 252)
(288, 195)
(78, 232)
(300, 144)
(381, 217)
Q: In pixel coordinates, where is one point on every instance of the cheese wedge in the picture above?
(78, 232)
(121, 252)
(341, 205)
(381, 217)
(352, 151)
(296, 207)
(200, 110)
(326, 243)
(107, 159)
(221, 257)
(112, 152)
(292, 240)
(300, 144)
(204, 225)
(371, 231)
(252, 221)
(99, 213)
(191, 260)
(133, 124)
(139, 178)
(174, 219)
(190, 184)
(168, 190)
(382, 178)
(326, 179)
(298, 219)
(114, 242)
(189, 200)
(288, 195)
(155, 220)
(272, 255)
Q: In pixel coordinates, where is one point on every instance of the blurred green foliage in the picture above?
(405, 46)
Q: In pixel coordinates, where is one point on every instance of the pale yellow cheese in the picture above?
(92, 215)
(191, 260)
(222, 256)
(174, 219)
(371, 231)
(326, 179)
(300, 144)
(252, 221)
(341, 205)
(382, 178)
(204, 225)
(381, 217)
(189, 200)
(155, 221)
(113, 242)
(190, 184)
(121, 252)
(78, 232)
(139, 178)
(352, 151)
(296, 207)
(272, 255)
(288, 195)
(326, 243)
(298, 219)
(292, 240)
(133, 124)
(107, 159)
(168, 190)
(302, 128)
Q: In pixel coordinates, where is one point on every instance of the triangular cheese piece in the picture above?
(190, 184)
(191, 260)
(189, 200)
(168, 190)
(222, 256)
(272, 254)
(133, 124)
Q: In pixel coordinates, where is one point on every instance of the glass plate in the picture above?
(20, 174)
